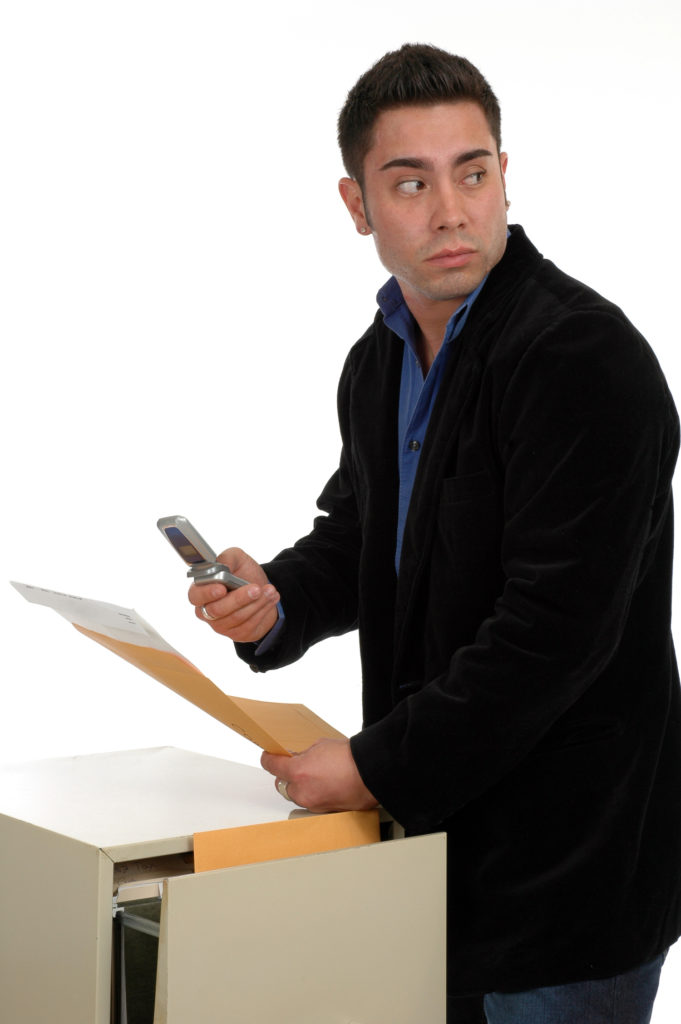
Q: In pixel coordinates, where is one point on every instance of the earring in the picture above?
(362, 231)
(508, 203)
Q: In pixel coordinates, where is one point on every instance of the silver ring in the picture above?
(206, 615)
(282, 787)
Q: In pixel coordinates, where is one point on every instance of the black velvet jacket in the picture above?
(520, 685)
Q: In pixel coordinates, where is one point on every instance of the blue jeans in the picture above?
(625, 999)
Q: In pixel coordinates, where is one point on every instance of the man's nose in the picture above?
(448, 207)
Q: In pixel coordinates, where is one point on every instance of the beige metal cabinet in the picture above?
(349, 937)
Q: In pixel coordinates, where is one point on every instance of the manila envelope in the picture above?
(274, 840)
(277, 728)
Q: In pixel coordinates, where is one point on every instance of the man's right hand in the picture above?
(246, 614)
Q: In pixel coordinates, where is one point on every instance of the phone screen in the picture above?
(184, 547)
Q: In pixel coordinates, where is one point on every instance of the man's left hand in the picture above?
(322, 778)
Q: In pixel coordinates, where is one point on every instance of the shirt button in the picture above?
(414, 446)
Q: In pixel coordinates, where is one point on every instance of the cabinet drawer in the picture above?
(350, 937)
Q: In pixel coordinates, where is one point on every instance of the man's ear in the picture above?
(503, 164)
(351, 194)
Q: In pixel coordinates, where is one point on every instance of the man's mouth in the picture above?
(452, 257)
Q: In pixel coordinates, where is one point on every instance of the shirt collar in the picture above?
(399, 319)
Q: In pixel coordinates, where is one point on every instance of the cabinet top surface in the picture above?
(133, 797)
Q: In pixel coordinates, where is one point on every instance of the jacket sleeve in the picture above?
(317, 577)
(587, 437)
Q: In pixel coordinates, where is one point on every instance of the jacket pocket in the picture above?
(456, 489)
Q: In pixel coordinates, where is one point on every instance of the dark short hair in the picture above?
(416, 74)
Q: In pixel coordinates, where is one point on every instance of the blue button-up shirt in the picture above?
(417, 393)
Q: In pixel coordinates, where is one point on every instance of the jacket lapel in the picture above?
(458, 388)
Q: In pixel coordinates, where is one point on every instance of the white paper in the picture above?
(117, 623)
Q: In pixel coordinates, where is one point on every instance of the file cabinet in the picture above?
(352, 936)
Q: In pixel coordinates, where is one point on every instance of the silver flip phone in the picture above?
(192, 548)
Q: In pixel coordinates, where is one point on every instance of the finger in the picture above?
(248, 630)
(238, 605)
(283, 788)
(242, 565)
(203, 593)
(231, 617)
(276, 764)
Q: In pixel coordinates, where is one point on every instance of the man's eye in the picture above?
(411, 187)
(475, 178)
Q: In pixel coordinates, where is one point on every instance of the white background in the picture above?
(180, 284)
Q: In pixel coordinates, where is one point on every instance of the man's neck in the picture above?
(432, 319)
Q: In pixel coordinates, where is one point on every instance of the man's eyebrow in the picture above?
(407, 161)
(473, 154)
(418, 164)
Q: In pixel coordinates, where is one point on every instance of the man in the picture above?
(500, 531)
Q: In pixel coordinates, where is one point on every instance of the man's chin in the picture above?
(453, 290)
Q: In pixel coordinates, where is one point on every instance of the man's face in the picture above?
(434, 200)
